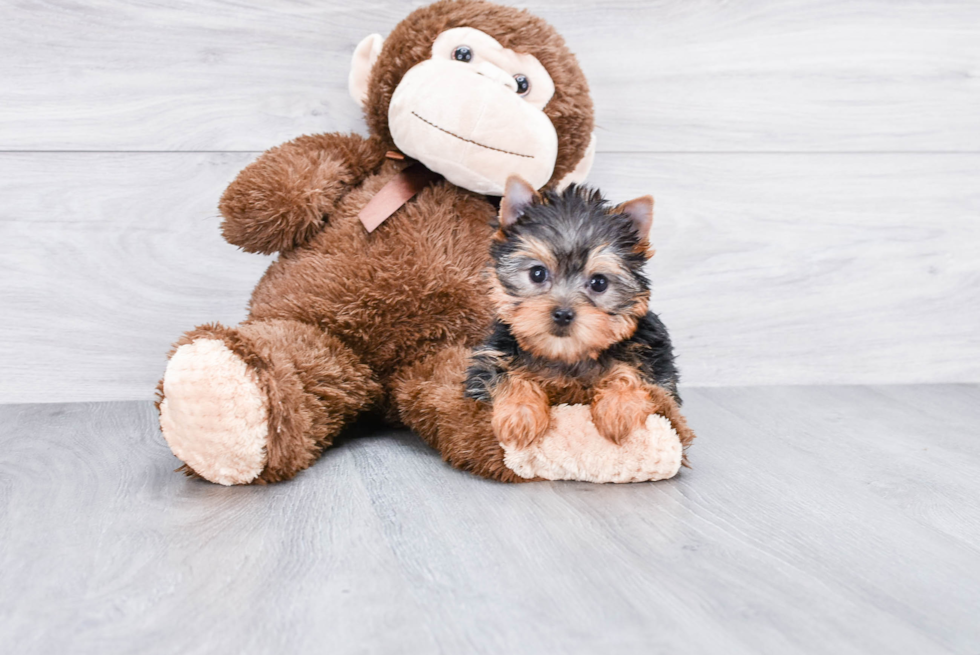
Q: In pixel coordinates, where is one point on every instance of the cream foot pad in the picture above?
(573, 450)
(213, 414)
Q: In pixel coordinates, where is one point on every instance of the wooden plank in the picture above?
(912, 444)
(104, 548)
(105, 260)
(771, 269)
(797, 75)
(815, 520)
(814, 269)
(748, 552)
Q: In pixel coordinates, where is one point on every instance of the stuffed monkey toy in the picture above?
(379, 291)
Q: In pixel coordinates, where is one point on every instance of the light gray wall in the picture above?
(816, 166)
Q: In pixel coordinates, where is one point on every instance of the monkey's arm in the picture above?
(280, 200)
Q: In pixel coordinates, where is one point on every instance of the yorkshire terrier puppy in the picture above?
(572, 320)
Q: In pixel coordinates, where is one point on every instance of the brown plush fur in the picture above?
(348, 321)
(318, 385)
(429, 396)
(279, 201)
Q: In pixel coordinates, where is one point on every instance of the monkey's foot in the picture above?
(213, 414)
(572, 449)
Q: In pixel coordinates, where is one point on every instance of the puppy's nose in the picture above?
(563, 316)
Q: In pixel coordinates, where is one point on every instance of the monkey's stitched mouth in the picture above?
(507, 152)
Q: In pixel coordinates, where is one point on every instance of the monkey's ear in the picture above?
(640, 211)
(518, 196)
(581, 170)
(365, 54)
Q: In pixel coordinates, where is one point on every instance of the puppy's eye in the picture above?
(463, 53)
(598, 283)
(523, 84)
(538, 274)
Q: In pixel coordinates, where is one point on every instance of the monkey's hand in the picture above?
(280, 200)
(521, 412)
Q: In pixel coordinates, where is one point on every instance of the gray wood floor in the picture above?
(815, 520)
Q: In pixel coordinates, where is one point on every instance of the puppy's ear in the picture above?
(640, 211)
(518, 196)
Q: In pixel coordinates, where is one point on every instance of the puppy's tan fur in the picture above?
(521, 411)
(622, 403)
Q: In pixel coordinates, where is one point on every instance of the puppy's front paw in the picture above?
(517, 423)
(616, 413)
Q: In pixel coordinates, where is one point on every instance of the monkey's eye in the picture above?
(538, 274)
(523, 84)
(463, 53)
(598, 283)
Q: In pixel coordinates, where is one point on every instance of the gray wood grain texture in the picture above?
(669, 75)
(771, 269)
(815, 520)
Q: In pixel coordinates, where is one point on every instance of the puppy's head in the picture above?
(568, 269)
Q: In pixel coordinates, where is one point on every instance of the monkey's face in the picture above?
(472, 111)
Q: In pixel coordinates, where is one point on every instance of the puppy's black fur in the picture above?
(649, 350)
(570, 227)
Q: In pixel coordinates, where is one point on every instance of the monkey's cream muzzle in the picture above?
(476, 143)
(466, 118)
